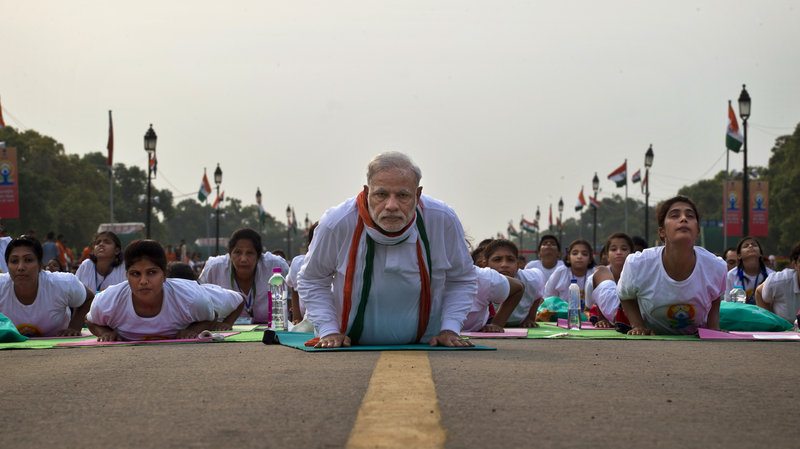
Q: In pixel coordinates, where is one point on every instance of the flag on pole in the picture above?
(110, 144)
(620, 175)
(512, 232)
(645, 181)
(218, 200)
(637, 176)
(581, 201)
(2, 122)
(528, 226)
(294, 221)
(205, 189)
(593, 201)
(733, 138)
(550, 219)
(154, 164)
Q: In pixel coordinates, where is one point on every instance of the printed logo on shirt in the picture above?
(681, 315)
(29, 330)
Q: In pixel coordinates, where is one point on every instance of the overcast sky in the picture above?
(505, 105)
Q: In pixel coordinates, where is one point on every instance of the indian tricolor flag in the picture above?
(219, 200)
(733, 138)
(620, 175)
(512, 231)
(581, 201)
(205, 188)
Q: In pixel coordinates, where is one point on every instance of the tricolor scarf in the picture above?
(365, 225)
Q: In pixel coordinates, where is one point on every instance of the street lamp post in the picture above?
(595, 188)
(288, 232)
(260, 215)
(217, 181)
(150, 139)
(744, 113)
(648, 162)
(538, 233)
(560, 223)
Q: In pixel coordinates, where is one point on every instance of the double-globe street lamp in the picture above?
(150, 139)
(217, 181)
(744, 113)
(648, 162)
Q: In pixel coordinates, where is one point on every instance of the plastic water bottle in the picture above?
(574, 311)
(737, 294)
(277, 289)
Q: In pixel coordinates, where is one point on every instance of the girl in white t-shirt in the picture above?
(502, 255)
(38, 302)
(750, 271)
(578, 264)
(549, 252)
(675, 288)
(601, 288)
(104, 266)
(150, 306)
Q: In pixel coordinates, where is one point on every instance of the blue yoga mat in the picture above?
(297, 340)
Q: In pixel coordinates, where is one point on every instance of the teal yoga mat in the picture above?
(552, 331)
(297, 340)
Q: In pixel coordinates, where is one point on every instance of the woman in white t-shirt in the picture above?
(245, 269)
(750, 271)
(780, 293)
(578, 265)
(601, 287)
(675, 288)
(502, 255)
(104, 266)
(150, 306)
(38, 302)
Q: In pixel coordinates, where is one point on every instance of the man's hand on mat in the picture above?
(69, 332)
(449, 339)
(640, 331)
(333, 341)
(109, 336)
(603, 324)
(529, 322)
(492, 328)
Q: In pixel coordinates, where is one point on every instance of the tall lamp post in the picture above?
(595, 188)
(260, 215)
(648, 162)
(744, 113)
(289, 232)
(538, 233)
(150, 139)
(560, 223)
(217, 181)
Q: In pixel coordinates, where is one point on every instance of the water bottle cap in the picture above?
(276, 270)
(738, 286)
(573, 281)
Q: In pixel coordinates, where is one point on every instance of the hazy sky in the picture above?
(505, 105)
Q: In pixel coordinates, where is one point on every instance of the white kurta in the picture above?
(546, 272)
(493, 288)
(391, 315)
(95, 282)
(558, 284)
(782, 290)
(669, 306)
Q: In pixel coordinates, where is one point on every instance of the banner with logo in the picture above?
(9, 184)
(732, 207)
(759, 208)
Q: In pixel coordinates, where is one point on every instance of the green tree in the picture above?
(784, 192)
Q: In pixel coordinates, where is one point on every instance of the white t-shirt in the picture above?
(291, 278)
(533, 281)
(217, 271)
(781, 289)
(49, 312)
(750, 283)
(558, 284)
(669, 306)
(492, 287)
(546, 272)
(87, 273)
(185, 302)
(4, 241)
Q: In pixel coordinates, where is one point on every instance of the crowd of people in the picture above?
(389, 265)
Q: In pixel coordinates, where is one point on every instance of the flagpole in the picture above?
(110, 148)
(724, 211)
(626, 195)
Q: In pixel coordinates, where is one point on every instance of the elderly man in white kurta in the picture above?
(397, 261)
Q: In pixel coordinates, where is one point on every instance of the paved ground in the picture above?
(529, 393)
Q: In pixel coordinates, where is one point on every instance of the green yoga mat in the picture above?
(42, 343)
(548, 330)
(297, 340)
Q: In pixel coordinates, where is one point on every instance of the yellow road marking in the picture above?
(400, 407)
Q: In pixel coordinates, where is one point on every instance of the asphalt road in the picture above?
(528, 393)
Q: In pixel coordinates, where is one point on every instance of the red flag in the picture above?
(581, 201)
(2, 122)
(218, 200)
(594, 202)
(110, 144)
